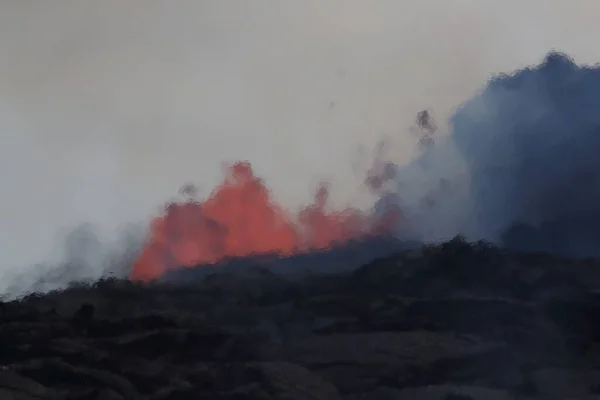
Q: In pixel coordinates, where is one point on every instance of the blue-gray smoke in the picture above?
(521, 166)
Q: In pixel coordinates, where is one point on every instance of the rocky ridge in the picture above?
(455, 321)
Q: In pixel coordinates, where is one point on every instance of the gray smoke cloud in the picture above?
(520, 166)
(107, 108)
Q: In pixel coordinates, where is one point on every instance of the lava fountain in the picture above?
(240, 219)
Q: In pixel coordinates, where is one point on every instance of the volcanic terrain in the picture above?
(448, 321)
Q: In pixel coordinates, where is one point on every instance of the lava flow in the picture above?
(240, 219)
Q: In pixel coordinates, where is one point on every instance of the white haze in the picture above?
(108, 107)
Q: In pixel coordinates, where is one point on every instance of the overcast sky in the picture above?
(108, 107)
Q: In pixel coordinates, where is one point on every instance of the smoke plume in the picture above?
(520, 167)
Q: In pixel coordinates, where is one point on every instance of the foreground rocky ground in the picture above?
(453, 322)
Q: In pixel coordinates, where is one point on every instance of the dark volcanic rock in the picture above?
(454, 321)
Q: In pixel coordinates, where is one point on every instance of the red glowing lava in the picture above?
(240, 219)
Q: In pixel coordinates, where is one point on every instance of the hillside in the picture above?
(452, 321)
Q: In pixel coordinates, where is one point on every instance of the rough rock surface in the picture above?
(448, 322)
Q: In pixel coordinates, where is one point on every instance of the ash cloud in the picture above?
(523, 158)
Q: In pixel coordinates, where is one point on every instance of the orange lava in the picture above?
(240, 219)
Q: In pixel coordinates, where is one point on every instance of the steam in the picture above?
(107, 108)
(520, 166)
(541, 169)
